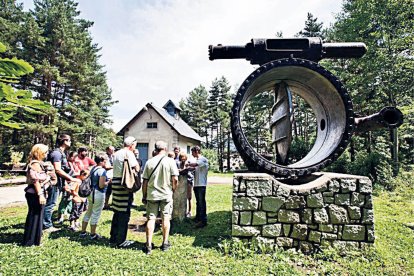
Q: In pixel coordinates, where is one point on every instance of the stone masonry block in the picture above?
(353, 233)
(307, 216)
(235, 217)
(329, 236)
(357, 199)
(236, 185)
(242, 186)
(245, 218)
(315, 236)
(299, 231)
(320, 216)
(328, 199)
(315, 201)
(365, 186)
(295, 202)
(259, 218)
(288, 216)
(368, 202)
(283, 191)
(329, 228)
(370, 233)
(338, 214)
(334, 186)
(348, 185)
(245, 231)
(272, 204)
(286, 229)
(284, 242)
(259, 188)
(272, 230)
(367, 216)
(354, 212)
(343, 199)
(245, 203)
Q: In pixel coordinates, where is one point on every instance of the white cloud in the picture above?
(157, 50)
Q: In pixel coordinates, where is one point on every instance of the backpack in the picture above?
(86, 187)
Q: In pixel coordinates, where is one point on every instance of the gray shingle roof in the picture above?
(177, 123)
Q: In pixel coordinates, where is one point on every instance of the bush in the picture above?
(211, 155)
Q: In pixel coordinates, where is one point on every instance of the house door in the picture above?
(143, 153)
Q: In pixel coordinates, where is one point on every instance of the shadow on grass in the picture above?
(218, 229)
(70, 235)
(13, 236)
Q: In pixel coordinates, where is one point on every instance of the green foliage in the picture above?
(312, 28)
(67, 75)
(14, 101)
(211, 155)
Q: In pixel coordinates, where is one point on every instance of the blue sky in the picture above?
(157, 50)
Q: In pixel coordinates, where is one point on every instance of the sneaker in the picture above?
(188, 215)
(83, 234)
(147, 249)
(126, 243)
(96, 237)
(51, 229)
(165, 246)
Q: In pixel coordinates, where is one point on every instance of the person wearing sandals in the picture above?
(96, 199)
(160, 181)
(39, 177)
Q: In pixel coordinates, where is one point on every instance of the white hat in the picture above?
(128, 141)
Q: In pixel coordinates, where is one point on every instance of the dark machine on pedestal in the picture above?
(278, 201)
(289, 66)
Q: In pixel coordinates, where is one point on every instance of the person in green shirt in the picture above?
(160, 181)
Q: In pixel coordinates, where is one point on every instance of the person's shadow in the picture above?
(12, 233)
(218, 229)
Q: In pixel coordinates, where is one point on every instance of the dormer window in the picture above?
(152, 125)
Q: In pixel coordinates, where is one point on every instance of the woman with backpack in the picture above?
(96, 199)
(39, 177)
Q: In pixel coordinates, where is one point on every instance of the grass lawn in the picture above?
(197, 251)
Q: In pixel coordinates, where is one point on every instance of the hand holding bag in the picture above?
(131, 180)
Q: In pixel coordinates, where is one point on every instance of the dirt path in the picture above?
(14, 195)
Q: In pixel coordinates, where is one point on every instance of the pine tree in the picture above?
(312, 28)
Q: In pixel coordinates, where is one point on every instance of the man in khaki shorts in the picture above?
(160, 181)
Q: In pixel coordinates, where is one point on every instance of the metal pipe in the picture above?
(388, 117)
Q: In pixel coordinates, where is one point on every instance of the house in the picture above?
(153, 123)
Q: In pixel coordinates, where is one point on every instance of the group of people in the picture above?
(63, 174)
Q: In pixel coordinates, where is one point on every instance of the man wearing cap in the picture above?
(160, 181)
(200, 165)
(122, 198)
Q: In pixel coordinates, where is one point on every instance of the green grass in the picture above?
(226, 174)
(197, 251)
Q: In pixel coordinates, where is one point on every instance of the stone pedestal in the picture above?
(329, 208)
(180, 199)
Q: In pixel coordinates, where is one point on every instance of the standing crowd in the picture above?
(61, 174)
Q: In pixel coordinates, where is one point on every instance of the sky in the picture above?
(154, 51)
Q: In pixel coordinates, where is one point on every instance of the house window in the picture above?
(152, 125)
(188, 149)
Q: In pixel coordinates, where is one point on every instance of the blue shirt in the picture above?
(96, 174)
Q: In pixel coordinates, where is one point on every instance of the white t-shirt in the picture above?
(200, 172)
(119, 157)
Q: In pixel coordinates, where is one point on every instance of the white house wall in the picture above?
(164, 132)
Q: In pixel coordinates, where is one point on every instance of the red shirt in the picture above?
(84, 163)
